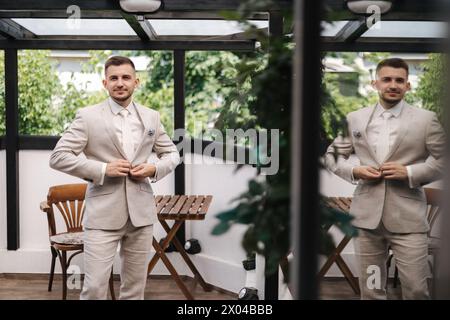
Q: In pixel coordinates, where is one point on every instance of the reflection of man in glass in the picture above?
(117, 137)
(400, 148)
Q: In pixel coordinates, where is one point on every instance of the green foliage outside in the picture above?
(431, 90)
(38, 84)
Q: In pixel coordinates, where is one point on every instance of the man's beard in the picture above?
(123, 98)
(392, 101)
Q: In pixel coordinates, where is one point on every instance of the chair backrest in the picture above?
(434, 198)
(69, 199)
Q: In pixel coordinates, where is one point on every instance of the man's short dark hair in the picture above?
(394, 63)
(118, 61)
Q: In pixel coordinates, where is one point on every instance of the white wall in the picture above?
(221, 256)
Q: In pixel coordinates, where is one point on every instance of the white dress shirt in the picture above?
(137, 128)
(375, 126)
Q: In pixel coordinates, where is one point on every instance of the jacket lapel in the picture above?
(367, 116)
(145, 123)
(108, 122)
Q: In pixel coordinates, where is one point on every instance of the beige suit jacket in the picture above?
(109, 205)
(420, 144)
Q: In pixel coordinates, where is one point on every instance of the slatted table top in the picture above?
(182, 207)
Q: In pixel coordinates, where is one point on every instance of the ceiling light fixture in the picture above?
(141, 6)
(366, 7)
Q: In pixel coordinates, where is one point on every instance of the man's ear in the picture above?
(374, 84)
(408, 86)
(104, 83)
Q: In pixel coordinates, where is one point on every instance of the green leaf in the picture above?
(220, 228)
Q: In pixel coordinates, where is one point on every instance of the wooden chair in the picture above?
(179, 208)
(434, 198)
(342, 204)
(69, 199)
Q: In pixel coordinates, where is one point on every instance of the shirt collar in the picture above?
(116, 108)
(395, 110)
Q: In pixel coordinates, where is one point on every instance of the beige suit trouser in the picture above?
(100, 247)
(410, 252)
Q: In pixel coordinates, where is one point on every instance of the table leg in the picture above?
(184, 255)
(172, 270)
(170, 234)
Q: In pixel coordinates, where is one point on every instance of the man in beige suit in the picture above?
(400, 148)
(116, 137)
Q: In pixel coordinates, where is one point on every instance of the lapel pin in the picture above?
(357, 134)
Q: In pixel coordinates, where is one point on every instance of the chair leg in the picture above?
(111, 285)
(63, 261)
(52, 268)
(395, 277)
(388, 265)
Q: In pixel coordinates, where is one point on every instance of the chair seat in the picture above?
(68, 238)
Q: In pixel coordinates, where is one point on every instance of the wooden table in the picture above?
(179, 208)
(342, 204)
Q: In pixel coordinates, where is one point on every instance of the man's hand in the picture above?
(366, 173)
(142, 171)
(394, 171)
(118, 168)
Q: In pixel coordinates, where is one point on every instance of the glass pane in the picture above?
(157, 86)
(407, 29)
(199, 27)
(213, 99)
(53, 85)
(82, 27)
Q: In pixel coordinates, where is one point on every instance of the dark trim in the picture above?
(148, 28)
(305, 149)
(109, 14)
(12, 155)
(132, 44)
(2, 143)
(12, 30)
(275, 23)
(413, 10)
(59, 4)
(271, 286)
(27, 142)
(179, 123)
(419, 45)
(133, 22)
(100, 5)
(351, 31)
(179, 111)
(275, 30)
(217, 5)
(235, 36)
(362, 44)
